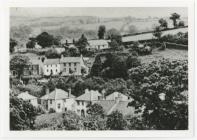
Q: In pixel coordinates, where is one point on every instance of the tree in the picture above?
(113, 44)
(161, 94)
(18, 63)
(95, 110)
(57, 40)
(132, 29)
(22, 114)
(115, 121)
(157, 32)
(163, 23)
(82, 43)
(45, 39)
(31, 44)
(52, 53)
(73, 52)
(114, 34)
(13, 43)
(101, 32)
(181, 24)
(174, 17)
(70, 121)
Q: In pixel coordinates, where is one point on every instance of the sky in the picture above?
(139, 12)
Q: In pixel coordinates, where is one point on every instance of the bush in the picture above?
(40, 110)
(115, 121)
(51, 110)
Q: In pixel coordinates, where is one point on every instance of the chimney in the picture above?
(103, 94)
(69, 92)
(47, 90)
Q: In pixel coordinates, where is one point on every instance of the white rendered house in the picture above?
(89, 97)
(59, 100)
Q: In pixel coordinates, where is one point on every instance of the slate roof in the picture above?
(26, 96)
(57, 94)
(121, 106)
(51, 61)
(106, 104)
(89, 95)
(97, 42)
(70, 60)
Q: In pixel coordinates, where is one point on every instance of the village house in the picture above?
(51, 67)
(73, 66)
(27, 97)
(116, 102)
(98, 44)
(31, 70)
(89, 97)
(58, 100)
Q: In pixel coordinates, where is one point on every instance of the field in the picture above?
(73, 27)
(172, 54)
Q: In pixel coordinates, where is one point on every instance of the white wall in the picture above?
(52, 67)
(34, 102)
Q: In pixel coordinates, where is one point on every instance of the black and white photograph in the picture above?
(99, 69)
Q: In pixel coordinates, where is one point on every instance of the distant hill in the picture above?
(70, 27)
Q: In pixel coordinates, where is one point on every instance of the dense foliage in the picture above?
(115, 121)
(18, 62)
(112, 65)
(158, 94)
(22, 114)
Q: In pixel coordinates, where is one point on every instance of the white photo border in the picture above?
(4, 117)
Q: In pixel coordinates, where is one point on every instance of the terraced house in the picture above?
(65, 66)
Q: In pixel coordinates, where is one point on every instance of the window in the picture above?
(82, 102)
(50, 101)
(65, 69)
(75, 69)
(69, 64)
(64, 100)
(58, 106)
(75, 64)
(29, 100)
(78, 103)
(56, 70)
(65, 109)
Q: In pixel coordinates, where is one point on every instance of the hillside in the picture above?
(72, 27)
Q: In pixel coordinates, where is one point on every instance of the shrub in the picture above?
(115, 121)
(51, 110)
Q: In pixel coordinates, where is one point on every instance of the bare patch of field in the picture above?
(172, 54)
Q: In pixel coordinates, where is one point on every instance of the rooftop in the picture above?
(89, 95)
(26, 96)
(57, 94)
(98, 42)
(70, 60)
(51, 61)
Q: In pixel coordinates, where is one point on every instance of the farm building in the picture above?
(98, 44)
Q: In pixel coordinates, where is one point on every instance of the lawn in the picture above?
(172, 54)
(48, 121)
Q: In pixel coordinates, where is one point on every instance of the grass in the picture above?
(48, 121)
(172, 54)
